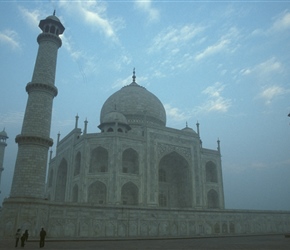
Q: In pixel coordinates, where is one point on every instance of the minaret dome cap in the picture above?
(53, 17)
(52, 20)
(3, 134)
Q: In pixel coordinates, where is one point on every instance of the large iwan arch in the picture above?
(175, 186)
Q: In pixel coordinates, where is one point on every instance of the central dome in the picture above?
(137, 104)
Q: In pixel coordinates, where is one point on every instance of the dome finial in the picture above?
(54, 12)
(134, 76)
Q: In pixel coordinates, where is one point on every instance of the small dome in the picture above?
(113, 117)
(3, 134)
(188, 129)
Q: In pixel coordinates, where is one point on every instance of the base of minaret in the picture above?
(30, 167)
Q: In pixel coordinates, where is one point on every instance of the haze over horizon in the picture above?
(224, 64)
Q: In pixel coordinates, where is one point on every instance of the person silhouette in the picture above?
(42, 235)
(17, 237)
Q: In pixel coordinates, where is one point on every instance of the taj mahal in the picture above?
(132, 177)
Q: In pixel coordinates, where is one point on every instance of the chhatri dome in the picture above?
(137, 104)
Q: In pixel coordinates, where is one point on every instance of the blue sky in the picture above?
(225, 64)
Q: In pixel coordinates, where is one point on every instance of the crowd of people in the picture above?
(24, 237)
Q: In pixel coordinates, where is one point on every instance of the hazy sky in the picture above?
(225, 64)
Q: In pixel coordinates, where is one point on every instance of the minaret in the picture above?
(3, 144)
(34, 140)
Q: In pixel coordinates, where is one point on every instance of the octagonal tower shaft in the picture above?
(34, 140)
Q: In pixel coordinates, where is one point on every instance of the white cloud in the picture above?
(270, 66)
(175, 113)
(265, 68)
(95, 19)
(213, 49)
(229, 42)
(172, 38)
(246, 71)
(215, 101)
(93, 13)
(31, 17)
(67, 44)
(282, 22)
(146, 7)
(11, 38)
(269, 93)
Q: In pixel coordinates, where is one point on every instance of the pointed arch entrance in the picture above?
(175, 189)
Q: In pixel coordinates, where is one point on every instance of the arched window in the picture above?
(99, 160)
(162, 200)
(129, 194)
(217, 229)
(61, 181)
(211, 172)
(75, 193)
(97, 193)
(77, 164)
(120, 130)
(224, 228)
(130, 162)
(110, 130)
(46, 29)
(212, 199)
(52, 29)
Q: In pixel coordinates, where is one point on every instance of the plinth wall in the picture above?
(72, 220)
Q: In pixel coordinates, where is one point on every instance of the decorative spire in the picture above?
(86, 126)
(197, 126)
(77, 119)
(186, 125)
(219, 146)
(58, 137)
(134, 76)
(54, 12)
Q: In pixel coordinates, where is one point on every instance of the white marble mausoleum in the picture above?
(132, 177)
